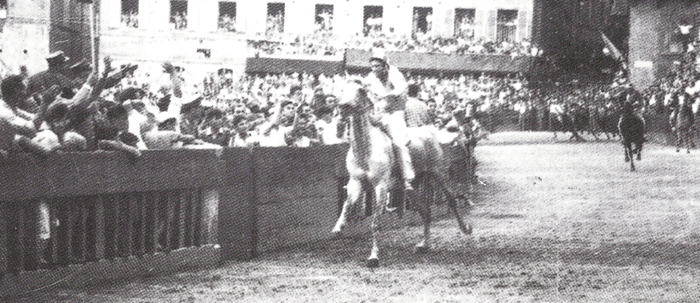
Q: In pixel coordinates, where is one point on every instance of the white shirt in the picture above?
(274, 138)
(395, 86)
(328, 131)
(135, 121)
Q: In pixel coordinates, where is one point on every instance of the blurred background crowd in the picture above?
(74, 108)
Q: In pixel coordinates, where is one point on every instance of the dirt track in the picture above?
(556, 222)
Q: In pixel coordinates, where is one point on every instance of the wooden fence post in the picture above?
(236, 207)
(3, 239)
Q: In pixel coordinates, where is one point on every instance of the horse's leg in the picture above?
(380, 197)
(354, 190)
(630, 155)
(451, 202)
(687, 141)
(422, 206)
(627, 151)
(679, 137)
(639, 151)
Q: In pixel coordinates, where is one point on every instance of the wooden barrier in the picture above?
(81, 218)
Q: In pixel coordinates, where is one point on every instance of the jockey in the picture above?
(389, 86)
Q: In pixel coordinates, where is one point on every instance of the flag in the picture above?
(609, 45)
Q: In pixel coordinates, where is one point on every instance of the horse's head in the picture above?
(354, 99)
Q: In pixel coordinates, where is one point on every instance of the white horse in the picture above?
(371, 161)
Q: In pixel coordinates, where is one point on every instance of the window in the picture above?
(227, 16)
(178, 14)
(464, 23)
(422, 20)
(275, 18)
(506, 25)
(324, 18)
(373, 19)
(130, 13)
(3, 14)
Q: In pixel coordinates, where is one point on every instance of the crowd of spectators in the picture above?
(122, 110)
(322, 43)
(324, 22)
(178, 20)
(117, 110)
(682, 78)
(227, 23)
(274, 23)
(130, 19)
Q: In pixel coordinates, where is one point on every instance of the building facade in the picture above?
(209, 34)
(656, 40)
(30, 30)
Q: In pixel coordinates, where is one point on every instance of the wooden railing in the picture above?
(102, 208)
(78, 218)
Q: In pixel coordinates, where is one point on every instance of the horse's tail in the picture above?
(451, 203)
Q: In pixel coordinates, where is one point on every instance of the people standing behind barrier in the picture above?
(243, 136)
(329, 126)
(273, 131)
(323, 44)
(417, 113)
(56, 74)
(17, 126)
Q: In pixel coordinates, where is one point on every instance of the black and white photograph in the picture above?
(349, 151)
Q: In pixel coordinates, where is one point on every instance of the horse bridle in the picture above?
(359, 109)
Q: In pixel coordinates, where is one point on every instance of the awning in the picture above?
(359, 59)
(275, 65)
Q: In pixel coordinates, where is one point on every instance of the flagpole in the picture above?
(93, 54)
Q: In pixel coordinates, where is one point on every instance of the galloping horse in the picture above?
(370, 162)
(631, 129)
(682, 121)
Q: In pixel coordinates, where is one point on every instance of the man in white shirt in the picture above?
(327, 126)
(390, 88)
(243, 137)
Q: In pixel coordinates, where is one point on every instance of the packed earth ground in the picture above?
(556, 221)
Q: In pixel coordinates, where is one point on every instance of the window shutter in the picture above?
(491, 25)
(523, 26)
(449, 22)
(480, 24)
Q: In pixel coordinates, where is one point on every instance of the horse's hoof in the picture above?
(421, 249)
(373, 263)
(627, 159)
(678, 150)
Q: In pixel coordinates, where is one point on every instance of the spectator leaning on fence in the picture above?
(16, 125)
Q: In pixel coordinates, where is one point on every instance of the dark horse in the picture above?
(682, 120)
(631, 127)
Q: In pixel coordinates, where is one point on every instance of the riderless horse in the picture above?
(373, 170)
(682, 120)
(631, 129)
